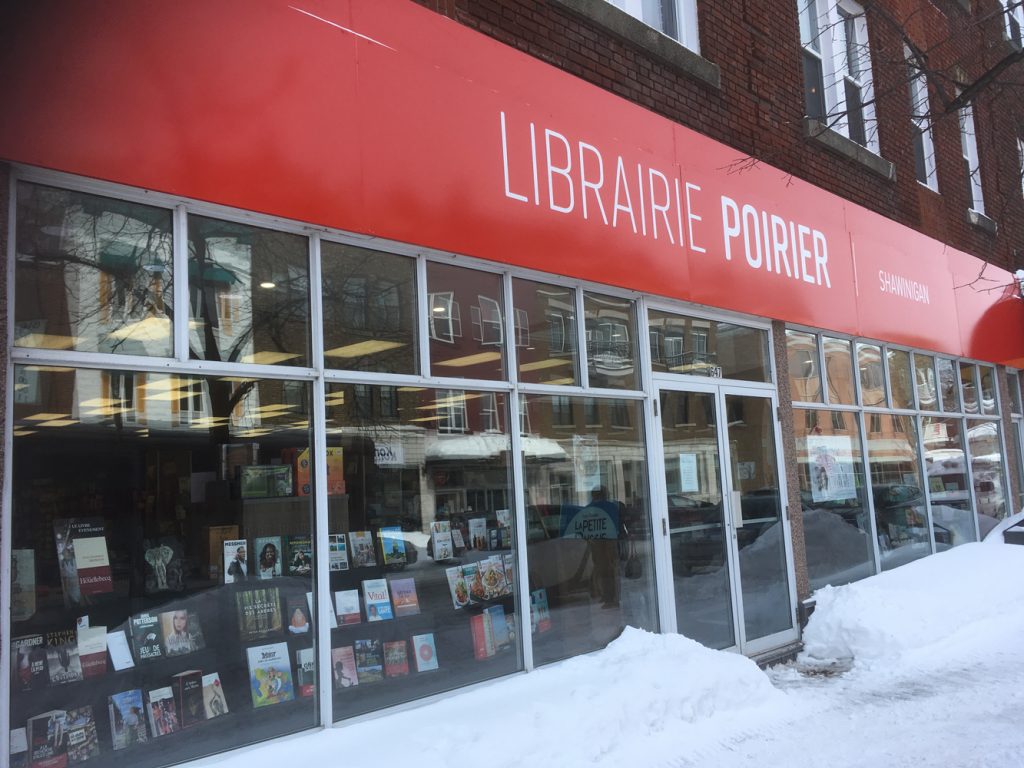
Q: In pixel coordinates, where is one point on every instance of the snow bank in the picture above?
(952, 598)
(625, 705)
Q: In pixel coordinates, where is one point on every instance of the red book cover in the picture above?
(396, 659)
(482, 649)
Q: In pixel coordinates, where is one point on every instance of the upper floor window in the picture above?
(1013, 17)
(838, 89)
(1020, 156)
(675, 18)
(972, 166)
(921, 124)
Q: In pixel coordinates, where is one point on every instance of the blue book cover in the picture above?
(392, 545)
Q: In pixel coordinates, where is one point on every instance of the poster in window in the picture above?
(688, 480)
(586, 466)
(830, 462)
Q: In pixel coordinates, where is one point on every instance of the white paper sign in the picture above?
(389, 455)
(586, 465)
(688, 481)
(120, 653)
(830, 459)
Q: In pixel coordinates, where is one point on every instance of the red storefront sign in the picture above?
(379, 117)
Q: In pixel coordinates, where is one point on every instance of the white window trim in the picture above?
(969, 146)
(919, 117)
(831, 50)
(686, 19)
(1013, 11)
(1020, 156)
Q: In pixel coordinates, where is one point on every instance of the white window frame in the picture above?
(972, 163)
(919, 111)
(649, 12)
(1013, 21)
(823, 34)
(445, 318)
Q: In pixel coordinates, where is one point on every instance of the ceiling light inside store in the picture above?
(47, 341)
(110, 410)
(164, 384)
(23, 432)
(46, 416)
(363, 348)
(411, 389)
(101, 402)
(428, 418)
(268, 284)
(445, 402)
(462, 362)
(58, 423)
(171, 394)
(560, 381)
(268, 358)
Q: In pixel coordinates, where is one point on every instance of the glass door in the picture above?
(727, 530)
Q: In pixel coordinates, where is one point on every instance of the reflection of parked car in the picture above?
(697, 539)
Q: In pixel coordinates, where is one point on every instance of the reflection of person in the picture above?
(237, 569)
(268, 561)
(604, 552)
(131, 725)
(179, 639)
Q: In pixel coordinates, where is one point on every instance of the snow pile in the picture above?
(941, 603)
(623, 705)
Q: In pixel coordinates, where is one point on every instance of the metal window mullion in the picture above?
(923, 479)
(581, 341)
(182, 305)
(819, 342)
(7, 481)
(324, 684)
(525, 628)
(869, 492)
(423, 311)
(884, 354)
(965, 443)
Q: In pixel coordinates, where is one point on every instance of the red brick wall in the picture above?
(759, 107)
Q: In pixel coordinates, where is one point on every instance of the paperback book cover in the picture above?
(344, 662)
(305, 671)
(92, 651)
(404, 598)
(259, 613)
(300, 555)
(474, 581)
(346, 606)
(509, 562)
(162, 712)
(83, 740)
(478, 533)
(28, 663)
(23, 584)
(425, 652)
(492, 576)
(392, 545)
(483, 638)
(47, 740)
(457, 586)
(215, 703)
(236, 561)
(180, 632)
(164, 570)
(145, 628)
(458, 542)
(270, 675)
(213, 554)
(19, 747)
(127, 723)
(83, 559)
(188, 697)
(268, 556)
(63, 663)
(442, 545)
(298, 615)
(396, 659)
(495, 617)
(504, 517)
(363, 553)
(337, 549)
(540, 615)
(369, 661)
(378, 603)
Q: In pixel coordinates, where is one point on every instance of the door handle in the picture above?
(737, 509)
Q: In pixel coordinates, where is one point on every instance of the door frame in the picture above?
(719, 390)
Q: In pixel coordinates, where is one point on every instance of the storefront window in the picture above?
(589, 549)
(699, 347)
(611, 341)
(985, 447)
(369, 308)
(546, 336)
(249, 294)
(804, 373)
(1013, 384)
(422, 543)
(162, 587)
(900, 378)
(837, 527)
(948, 486)
(838, 371)
(969, 388)
(987, 388)
(924, 380)
(949, 384)
(872, 375)
(92, 274)
(901, 521)
(465, 319)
